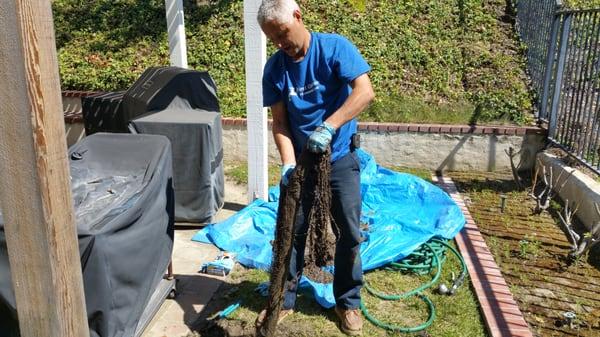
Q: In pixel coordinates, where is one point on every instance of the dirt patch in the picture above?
(532, 251)
(317, 274)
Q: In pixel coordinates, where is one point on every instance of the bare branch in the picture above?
(567, 226)
(543, 199)
(511, 155)
(588, 240)
(585, 244)
(548, 192)
(535, 176)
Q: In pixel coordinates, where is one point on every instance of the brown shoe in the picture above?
(263, 314)
(350, 321)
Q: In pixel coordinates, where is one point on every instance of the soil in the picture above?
(532, 253)
(239, 289)
(317, 274)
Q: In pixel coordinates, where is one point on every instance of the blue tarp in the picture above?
(402, 212)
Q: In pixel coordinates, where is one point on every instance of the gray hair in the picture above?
(281, 11)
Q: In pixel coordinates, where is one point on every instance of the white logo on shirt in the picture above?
(307, 89)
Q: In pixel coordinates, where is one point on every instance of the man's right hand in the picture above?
(286, 173)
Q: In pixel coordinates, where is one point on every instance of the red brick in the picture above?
(424, 128)
(444, 129)
(521, 131)
(478, 129)
(479, 288)
(537, 131)
(510, 331)
(505, 302)
(496, 319)
(393, 128)
(466, 129)
(477, 242)
(413, 128)
(403, 127)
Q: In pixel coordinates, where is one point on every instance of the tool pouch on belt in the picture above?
(354, 142)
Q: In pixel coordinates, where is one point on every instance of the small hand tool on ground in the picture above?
(214, 319)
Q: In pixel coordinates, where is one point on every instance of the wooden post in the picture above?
(256, 55)
(35, 192)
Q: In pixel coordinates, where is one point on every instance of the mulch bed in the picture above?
(531, 251)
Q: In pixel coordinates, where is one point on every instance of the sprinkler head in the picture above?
(502, 203)
(443, 289)
(570, 318)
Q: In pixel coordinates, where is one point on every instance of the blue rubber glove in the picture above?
(319, 140)
(286, 173)
(263, 289)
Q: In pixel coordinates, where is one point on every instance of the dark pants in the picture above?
(345, 209)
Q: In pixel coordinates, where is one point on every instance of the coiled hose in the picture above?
(423, 260)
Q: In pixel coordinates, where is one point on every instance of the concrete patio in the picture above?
(194, 289)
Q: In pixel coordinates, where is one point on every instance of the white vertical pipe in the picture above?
(256, 55)
(176, 29)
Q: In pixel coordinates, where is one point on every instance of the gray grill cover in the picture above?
(123, 200)
(196, 140)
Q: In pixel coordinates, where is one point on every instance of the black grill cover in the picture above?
(123, 198)
(156, 89)
(103, 112)
(159, 88)
(196, 140)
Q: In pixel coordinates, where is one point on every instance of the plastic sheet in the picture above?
(399, 213)
(99, 195)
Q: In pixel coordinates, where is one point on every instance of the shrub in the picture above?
(440, 56)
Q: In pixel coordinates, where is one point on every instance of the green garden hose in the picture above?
(431, 254)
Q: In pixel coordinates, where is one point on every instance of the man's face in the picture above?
(288, 37)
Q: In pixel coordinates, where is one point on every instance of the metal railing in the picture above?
(563, 57)
(534, 22)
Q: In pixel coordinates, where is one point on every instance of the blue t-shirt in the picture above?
(315, 87)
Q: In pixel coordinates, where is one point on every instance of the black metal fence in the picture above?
(563, 56)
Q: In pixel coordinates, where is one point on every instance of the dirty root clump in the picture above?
(309, 182)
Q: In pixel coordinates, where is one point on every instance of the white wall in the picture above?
(580, 189)
(419, 150)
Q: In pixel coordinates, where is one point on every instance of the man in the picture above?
(316, 84)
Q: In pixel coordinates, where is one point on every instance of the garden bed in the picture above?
(531, 251)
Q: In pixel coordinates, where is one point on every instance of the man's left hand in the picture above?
(319, 140)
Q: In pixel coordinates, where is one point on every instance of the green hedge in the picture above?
(581, 4)
(448, 61)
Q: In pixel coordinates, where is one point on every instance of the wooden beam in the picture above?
(176, 32)
(256, 55)
(35, 192)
